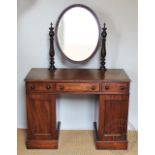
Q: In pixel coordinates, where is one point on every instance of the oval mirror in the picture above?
(77, 33)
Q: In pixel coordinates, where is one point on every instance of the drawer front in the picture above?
(40, 87)
(77, 87)
(115, 87)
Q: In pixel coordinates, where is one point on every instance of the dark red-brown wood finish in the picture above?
(42, 87)
(52, 51)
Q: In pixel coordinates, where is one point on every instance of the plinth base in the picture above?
(111, 145)
(44, 144)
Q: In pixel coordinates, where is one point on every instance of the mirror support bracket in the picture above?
(51, 51)
(103, 48)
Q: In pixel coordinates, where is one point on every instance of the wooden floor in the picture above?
(75, 143)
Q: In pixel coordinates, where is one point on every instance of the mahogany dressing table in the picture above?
(110, 85)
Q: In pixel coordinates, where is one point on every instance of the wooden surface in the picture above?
(113, 120)
(77, 87)
(43, 74)
(42, 87)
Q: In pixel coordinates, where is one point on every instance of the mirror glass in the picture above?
(77, 33)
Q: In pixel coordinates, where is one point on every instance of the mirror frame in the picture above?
(56, 31)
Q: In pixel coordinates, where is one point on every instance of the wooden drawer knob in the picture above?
(48, 87)
(32, 87)
(122, 88)
(93, 88)
(106, 87)
(61, 87)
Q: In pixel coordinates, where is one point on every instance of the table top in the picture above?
(76, 75)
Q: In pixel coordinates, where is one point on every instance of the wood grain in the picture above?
(75, 87)
(112, 87)
(77, 75)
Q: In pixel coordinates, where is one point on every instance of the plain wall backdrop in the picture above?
(34, 18)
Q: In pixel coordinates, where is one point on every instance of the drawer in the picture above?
(77, 87)
(40, 87)
(115, 87)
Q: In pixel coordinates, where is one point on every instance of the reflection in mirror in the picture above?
(77, 33)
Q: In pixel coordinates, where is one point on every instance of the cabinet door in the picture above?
(41, 115)
(113, 116)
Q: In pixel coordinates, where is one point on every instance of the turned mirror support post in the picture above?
(103, 49)
(51, 52)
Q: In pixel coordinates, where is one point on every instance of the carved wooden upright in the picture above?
(103, 49)
(51, 52)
